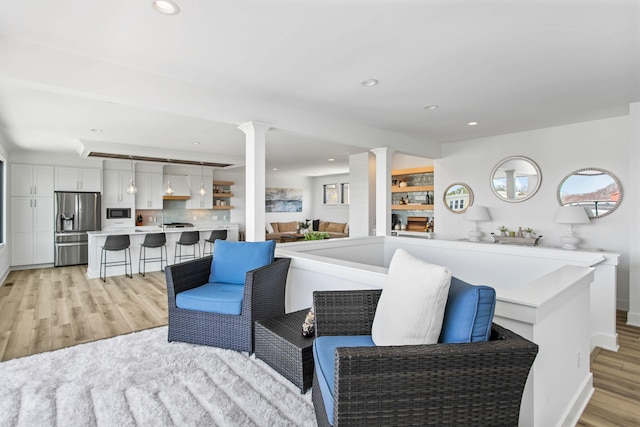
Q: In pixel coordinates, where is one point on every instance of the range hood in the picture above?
(180, 186)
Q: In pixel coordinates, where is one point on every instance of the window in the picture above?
(344, 193)
(330, 194)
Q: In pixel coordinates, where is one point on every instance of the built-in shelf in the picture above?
(419, 207)
(222, 195)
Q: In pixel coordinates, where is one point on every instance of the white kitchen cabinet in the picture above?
(196, 201)
(31, 180)
(150, 189)
(78, 179)
(115, 188)
(32, 225)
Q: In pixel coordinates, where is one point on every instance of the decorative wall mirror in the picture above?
(458, 197)
(515, 179)
(596, 189)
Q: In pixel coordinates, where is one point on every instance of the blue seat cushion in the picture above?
(323, 355)
(222, 298)
(232, 260)
(468, 313)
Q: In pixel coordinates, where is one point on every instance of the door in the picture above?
(90, 179)
(65, 212)
(66, 179)
(43, 219)
(21, 231)
(88, 208)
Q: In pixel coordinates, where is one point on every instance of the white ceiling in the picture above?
(160, 83)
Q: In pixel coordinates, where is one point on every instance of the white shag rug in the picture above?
(140, 379)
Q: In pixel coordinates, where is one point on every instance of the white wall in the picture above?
(292, 181)
(339, 213)
(558, 151)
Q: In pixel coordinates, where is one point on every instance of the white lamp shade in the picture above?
(571, 215)
(477, 213)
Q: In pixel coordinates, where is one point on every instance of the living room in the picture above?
(539, 81)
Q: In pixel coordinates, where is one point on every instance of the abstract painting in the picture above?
(283, 199)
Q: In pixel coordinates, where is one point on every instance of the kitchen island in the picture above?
(137, 235)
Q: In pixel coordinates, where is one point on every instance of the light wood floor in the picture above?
(616, 378)
(47, 309)
(50, 308)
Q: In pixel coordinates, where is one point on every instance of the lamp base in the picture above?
(570, 242)
(475, 235)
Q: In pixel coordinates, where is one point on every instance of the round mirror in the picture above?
(596, 189)
(458, 197)
(515, 179)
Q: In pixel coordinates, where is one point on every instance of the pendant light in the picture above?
(169, 189)
(202, 190)
(132, 189)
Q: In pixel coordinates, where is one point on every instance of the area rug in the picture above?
(140, 379)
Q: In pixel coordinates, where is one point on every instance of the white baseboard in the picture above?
(574, 412)
(608, 342)
(633, 319)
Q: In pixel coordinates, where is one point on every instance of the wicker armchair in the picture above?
(475, 384)
(263, 298)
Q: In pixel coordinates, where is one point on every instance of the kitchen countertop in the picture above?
(146, 229)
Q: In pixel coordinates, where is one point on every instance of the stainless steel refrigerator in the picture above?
(75, 214)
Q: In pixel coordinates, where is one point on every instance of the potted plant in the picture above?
(316, 235)
(303, 227)
(528, 233)
(503, 230)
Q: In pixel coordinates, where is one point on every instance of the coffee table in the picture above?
(279, 342)
(291, 238)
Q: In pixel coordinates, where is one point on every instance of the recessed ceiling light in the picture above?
(473, 123)
(195, 143)
(275, 169)
(96, 130)
(332, 160)
(166, 7)
(369, 82)
(431, 107)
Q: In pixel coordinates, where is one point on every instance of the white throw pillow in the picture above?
(269, 228)
(411, 306)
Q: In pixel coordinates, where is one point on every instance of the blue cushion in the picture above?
(468, 314)
(223, 298)
(232, 260)
(323, 355)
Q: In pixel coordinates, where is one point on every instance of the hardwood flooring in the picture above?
(616, 379)
(51, 308)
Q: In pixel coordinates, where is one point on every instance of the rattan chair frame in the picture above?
(474, 384)
(264, 293)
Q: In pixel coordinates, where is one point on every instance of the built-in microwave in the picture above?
(118, 213)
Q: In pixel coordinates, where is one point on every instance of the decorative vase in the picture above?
(526, 235)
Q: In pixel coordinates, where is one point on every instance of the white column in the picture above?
(362, 209)
(255, 179)
(383, 190)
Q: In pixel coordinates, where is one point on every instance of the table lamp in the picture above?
(571, 215)
(477, 214)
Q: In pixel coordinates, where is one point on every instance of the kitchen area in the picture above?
(61, 215)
